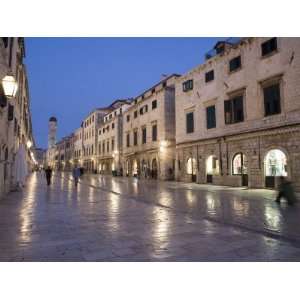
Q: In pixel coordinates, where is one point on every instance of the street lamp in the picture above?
(10, 86)
(29, 144)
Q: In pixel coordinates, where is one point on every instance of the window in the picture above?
(187, 85)
(146, 108)
(128, 140)
(110, 116)
(103, 147)
(234, 111)
(144, 136)
(154, 104)
(115, 113)
(99, 146)
(112, 145)
(154, 132)
(100, 132)
(103, 130)
(268, 47)
(135, 114)
(128, 118)
(235, 64)
(190, 122)
(272, 100)
(135, 138)
(210, 117)
(153, 91)
(112, 125)
(209, 76)
(107, 146)
(141, 111)
(239, 164)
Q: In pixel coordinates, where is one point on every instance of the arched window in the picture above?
(191, 166)
(276, 163)
(212, 165)
(239, 164)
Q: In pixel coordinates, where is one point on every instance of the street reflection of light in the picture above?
(191, 197)
(241, 208)
(28, 209)
(115, 186)
(113, 211)
(272, 218)
(162, 222)
(210, 202)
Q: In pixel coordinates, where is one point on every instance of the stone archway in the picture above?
(154, 169)
(240, 167)
(191, 168)
(275, 165)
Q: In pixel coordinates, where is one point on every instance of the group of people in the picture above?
(76, 173)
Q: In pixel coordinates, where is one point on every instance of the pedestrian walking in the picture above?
(48, 173)
(76, 174)
(286, 190)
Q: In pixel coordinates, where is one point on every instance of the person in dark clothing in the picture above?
(286, 191)
(48, 173)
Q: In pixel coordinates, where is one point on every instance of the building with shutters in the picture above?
(109, 140)
(238, 115)
(149, 132)
(15, 117)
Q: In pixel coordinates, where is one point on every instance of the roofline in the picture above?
(157, 84)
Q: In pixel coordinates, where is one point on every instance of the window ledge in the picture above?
(269, 54)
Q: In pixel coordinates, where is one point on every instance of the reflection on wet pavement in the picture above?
(144, 221)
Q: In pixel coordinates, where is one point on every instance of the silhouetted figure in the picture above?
(48, 173)
(76, 174)
(286, 191)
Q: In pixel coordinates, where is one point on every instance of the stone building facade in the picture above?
(89, 137)
(15, 116)
(109, 142)
(238, 115)
(149, 132)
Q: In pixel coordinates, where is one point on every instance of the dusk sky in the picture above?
(69, 77)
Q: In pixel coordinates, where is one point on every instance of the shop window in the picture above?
(239, 164)
(276, 163)
(191, 166)
(212, 165)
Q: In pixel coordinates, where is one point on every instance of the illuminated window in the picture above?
(212, 165)
(191, 166)
(276, 163)
(239, 164)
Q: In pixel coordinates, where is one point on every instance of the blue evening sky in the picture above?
(69, 77)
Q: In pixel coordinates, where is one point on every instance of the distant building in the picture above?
(149, 132)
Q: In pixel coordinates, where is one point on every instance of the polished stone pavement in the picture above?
(125, 219)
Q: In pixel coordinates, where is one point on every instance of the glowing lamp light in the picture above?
(163, 145)
(10, 86)
(29, 144)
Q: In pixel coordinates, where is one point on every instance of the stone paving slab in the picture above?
(64, 223)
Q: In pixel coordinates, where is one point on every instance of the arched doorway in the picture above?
(191, 168)
(275, 166)
(154, 169)
(212, 168)
(144, 168)
(135, 168)
(240, 167)
(127, 167)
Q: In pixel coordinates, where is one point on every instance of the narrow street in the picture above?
(125, 219)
